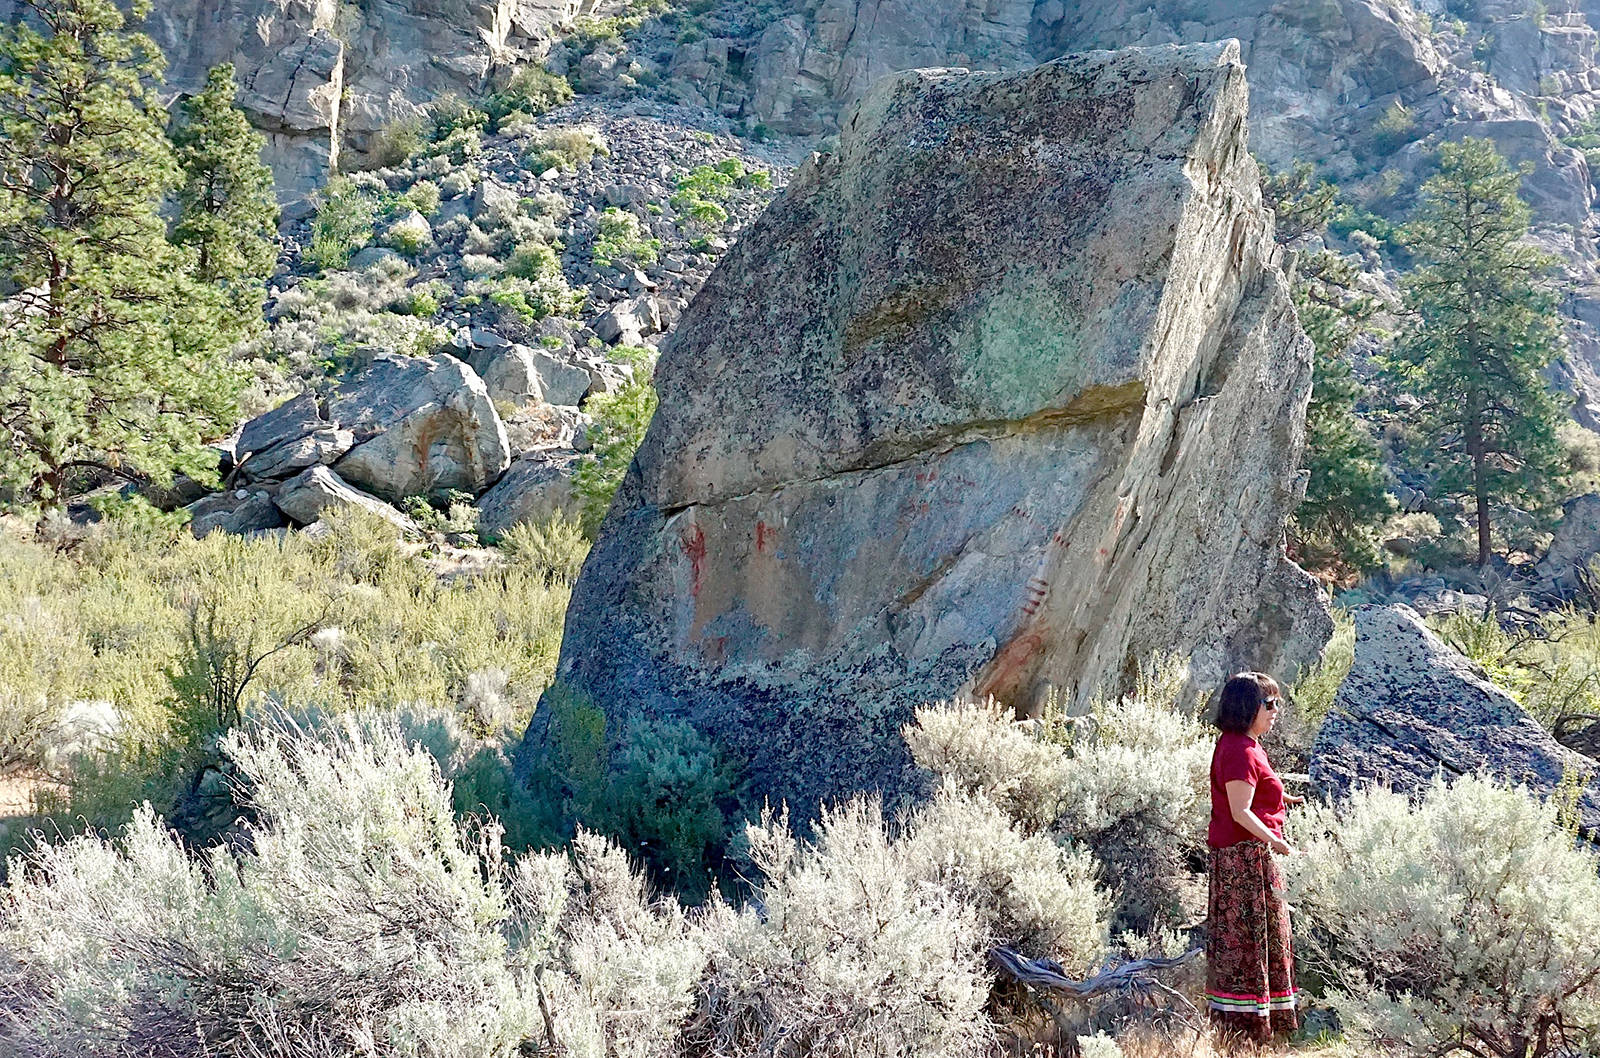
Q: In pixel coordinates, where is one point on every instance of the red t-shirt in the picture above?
(1239, 758)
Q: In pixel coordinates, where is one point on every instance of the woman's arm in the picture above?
(1240, 794)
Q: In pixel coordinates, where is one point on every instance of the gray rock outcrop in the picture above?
(1001, 397)
(1564, 569)
(305, 497)
(1412, 709)
(422, 426)
(537, 488)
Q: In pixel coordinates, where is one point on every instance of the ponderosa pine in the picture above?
(112, 350)
(1483, 326)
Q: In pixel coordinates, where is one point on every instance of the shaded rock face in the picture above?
(1002, 397)
(1564, 569)
(1412, 708)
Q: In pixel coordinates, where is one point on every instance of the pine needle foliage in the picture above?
(112, 354)
(226, 209)
(1483, 326)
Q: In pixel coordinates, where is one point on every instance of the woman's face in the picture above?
(1266, 716)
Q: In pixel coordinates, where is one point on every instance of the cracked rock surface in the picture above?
(1001, 396)
(1412, 708)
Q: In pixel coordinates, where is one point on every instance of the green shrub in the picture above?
(422, 196)
(395, 142)
(343, 224)
(566, 148)
(555, 549)
(671, 795)
(1395, 129)
(531, 90)
(1466, 920)
(424, 299)
(620, 237)
(620, 422)
(534, 261)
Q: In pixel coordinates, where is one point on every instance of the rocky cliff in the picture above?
(1004, 395)
(322, 76)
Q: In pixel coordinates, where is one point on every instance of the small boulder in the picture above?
(495, 197)
(236, 511)
(537, 488)
(1412, 708)
(372, 256)
(289, 421)
(305, 497)
(561, 381)
(629, 321)
(422, 426)
(511, 375)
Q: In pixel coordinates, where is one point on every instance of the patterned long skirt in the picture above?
(1249, 947)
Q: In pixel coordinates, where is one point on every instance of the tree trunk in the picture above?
(1480, 487)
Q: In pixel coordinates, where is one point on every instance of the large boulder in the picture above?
(536, 489)
(1003, 396)
(289, 438)
(422, 426)
(1412, 709)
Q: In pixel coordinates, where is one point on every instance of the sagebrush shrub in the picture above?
(1128, 782)
(979, 749)
(1467, 920)
(359, 918)
(844, 952)
(1030, 892)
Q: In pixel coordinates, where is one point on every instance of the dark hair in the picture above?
(1241, 700)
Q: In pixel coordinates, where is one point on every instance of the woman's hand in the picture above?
(1292, 801)
(1282, 848)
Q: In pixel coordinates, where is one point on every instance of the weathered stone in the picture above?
(538, 487)
(289, 421)
(284, 460)
(1412, 709)
(561, 381)
(422, 426)
(1564, 569)
(237, 511)
(511, 375)
(494, 197)
(372, 256)
(629, 321)
(1001, 398)
(304, 499)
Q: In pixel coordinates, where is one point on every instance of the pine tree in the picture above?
(1346, 499)
(226, 208)
(112, 353)
(1483, 326)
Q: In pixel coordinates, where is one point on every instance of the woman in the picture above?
(1249, 958)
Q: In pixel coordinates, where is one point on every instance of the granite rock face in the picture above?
(1002, 397)
(1412, 708)
(320, 76)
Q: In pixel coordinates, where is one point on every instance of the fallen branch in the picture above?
(1138, 975)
